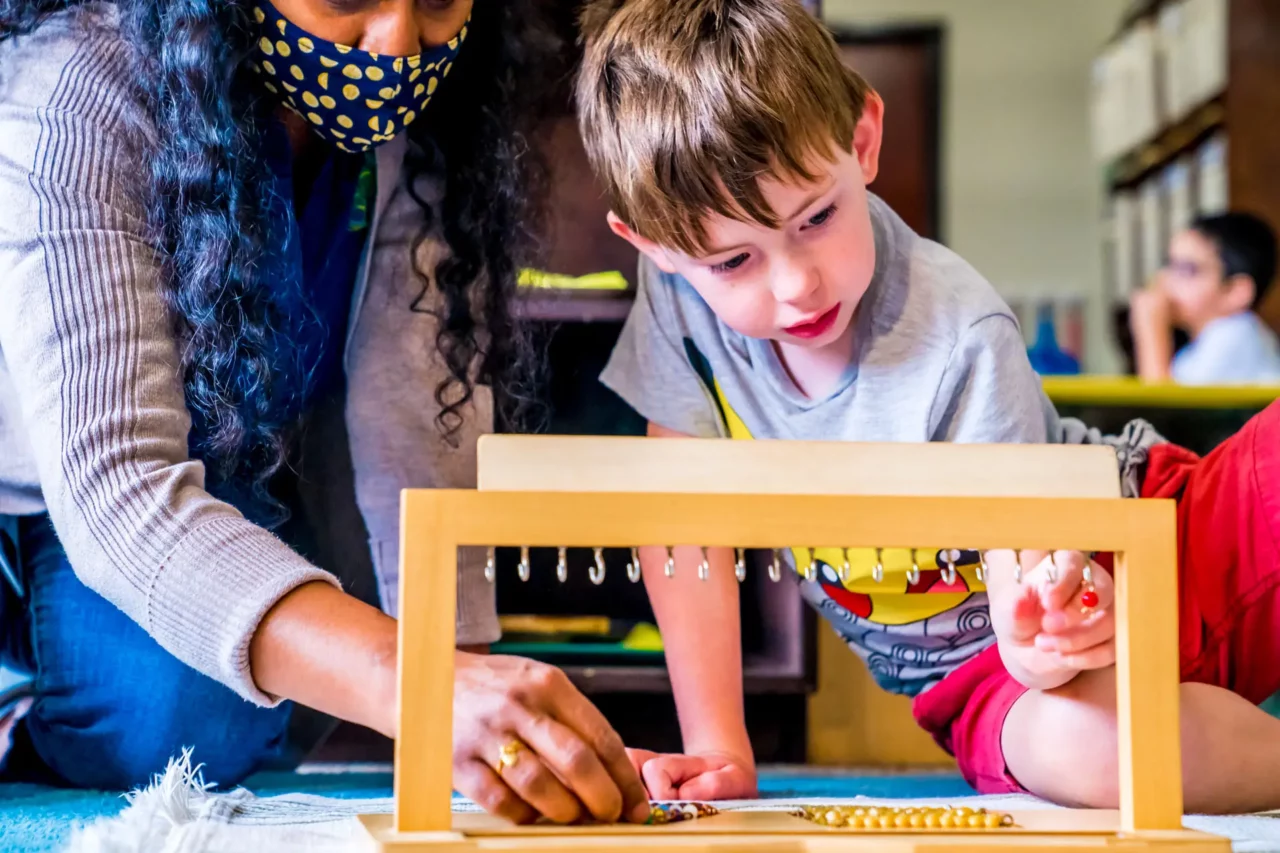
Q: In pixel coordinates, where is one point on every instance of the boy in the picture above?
(1219, 271)
(779, 299)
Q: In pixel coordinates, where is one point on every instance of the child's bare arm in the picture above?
(701, 634)
(1151, 323)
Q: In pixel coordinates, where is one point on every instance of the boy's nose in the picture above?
(797, 284)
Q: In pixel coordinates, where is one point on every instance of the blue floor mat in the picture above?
(34, 818)
(788, 785)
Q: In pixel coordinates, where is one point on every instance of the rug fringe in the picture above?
(155, 816)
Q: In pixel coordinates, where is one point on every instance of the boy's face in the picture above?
(1193, 281)
(799, 283)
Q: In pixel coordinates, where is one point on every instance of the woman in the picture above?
(221, 222)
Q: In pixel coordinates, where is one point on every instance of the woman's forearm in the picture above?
(320, 647)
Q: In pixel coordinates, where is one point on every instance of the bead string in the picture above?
(880, 817)
(856, 817)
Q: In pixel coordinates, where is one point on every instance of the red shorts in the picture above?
(1229, 602)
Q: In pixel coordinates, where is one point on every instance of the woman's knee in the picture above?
(112, 705)
(119, 741)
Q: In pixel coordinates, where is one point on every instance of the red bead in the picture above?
(1089, 598)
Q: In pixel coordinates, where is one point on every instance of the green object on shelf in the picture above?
(644, 637)
(552, 652)
(540, 280)
(641, 642)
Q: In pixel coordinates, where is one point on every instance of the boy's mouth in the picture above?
(815, 328)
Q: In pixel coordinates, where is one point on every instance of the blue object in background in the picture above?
(1047, 358)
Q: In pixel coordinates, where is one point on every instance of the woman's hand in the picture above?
(1047, 629)
(570, 764)
(325, 649)
(705, 776)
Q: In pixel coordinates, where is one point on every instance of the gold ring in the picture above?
(508, 755)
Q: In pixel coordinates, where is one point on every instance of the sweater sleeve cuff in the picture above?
(477, 601)
(211, 592)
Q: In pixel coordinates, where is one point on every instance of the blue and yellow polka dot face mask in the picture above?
(353, 98)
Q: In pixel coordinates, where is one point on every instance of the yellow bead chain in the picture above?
(880, 817)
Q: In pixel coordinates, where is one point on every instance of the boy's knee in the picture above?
(1062, 744)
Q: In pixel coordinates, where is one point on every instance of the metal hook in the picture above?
(523, 568)
(913, 576)
(811, 570)
(633, 567)
(596, 572)
(982, 567)
(1017, 566)
(775, 567)
(491, 566)
(844, 567)
(704, 568)
(670, 569)
(740, 567)
(877, 571)
(562, 565)
(949, 575)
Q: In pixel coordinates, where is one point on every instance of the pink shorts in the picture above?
(1229, 606)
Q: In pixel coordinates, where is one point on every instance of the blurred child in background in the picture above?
(1219, 270)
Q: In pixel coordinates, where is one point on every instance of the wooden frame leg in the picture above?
(424, 729)
(1147, 679)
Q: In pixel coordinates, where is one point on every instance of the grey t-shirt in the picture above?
(938, 357)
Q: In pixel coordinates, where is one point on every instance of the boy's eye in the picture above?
(731, 264)
(823, 216)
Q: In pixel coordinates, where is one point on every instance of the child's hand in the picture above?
(709, 776)
(1151, 308)
(1050, 626)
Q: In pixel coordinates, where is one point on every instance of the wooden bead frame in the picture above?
(1141, 533)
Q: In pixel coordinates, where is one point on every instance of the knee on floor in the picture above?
(1063, 746)
(121, 745)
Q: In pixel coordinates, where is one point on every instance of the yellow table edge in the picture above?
(1129, 391)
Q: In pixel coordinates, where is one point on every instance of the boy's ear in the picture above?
(655, 253)
(1241, 291)
(868, 136)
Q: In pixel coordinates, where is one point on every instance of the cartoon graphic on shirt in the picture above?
(908, 633)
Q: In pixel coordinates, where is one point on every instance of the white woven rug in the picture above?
(177, 814)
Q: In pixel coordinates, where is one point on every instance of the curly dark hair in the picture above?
(209, 218)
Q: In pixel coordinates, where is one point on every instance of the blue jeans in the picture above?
(111, 706)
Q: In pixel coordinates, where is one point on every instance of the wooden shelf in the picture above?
(575, 306)
(1175, 141)
(1141, 10)
(1130, 391)
(757, 680)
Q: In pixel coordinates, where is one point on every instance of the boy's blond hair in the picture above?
(685, 105)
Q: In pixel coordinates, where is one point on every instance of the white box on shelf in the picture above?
(1100, 109)
(1206, 46)
(1213, 192)
(1172, 29)
(1179, 195)
(1124, 271)
(1151, 219)
(1141, 113)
